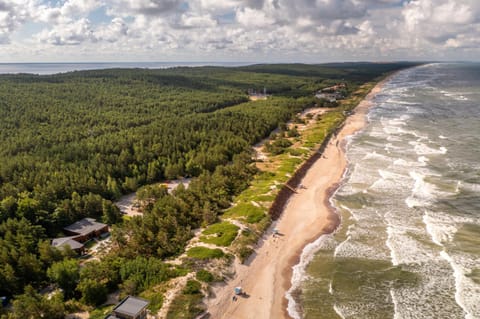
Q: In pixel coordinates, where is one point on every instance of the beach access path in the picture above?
(267, 276)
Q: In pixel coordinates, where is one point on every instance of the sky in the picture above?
(311, 31)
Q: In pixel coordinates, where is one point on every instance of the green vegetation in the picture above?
(201, 252)
(31, 304)
(185, 307)
(246, 211)
(101, 312)
(155, 297)
(221, 234)
(205, 276)
(65, 274)
(72, 143)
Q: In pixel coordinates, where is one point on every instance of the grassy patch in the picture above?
(328, 123)
(185, 307)
(249, 212)
(221, 234)
(205, 276)
(155, 296)
(101, 312)
(297, 152)
(201, 252)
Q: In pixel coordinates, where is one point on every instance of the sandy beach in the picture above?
(267, 275)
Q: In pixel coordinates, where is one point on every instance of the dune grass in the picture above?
(246, 211)
(220, 234)
(201, 252)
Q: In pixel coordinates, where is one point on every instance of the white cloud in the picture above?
(197, 21)
(243, 29)
(250, 18)
(68, 34)
(145, 7)
(112, 32)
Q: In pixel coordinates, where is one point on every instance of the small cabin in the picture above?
(86, 229)
(130, 308)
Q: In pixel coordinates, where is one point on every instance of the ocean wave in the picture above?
(299, 273)
(441, 227)
(467, 293)
(454, 95)
(376, 156)
(402, 102)
(338, 311)
(423, 149)
(405, 249)
(390, 182)
(423, 193)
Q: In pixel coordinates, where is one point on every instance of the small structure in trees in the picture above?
(86, 229)
(130, 308)
(255, 96)
(80, 232)
(62, 242)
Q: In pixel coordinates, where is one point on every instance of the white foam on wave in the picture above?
(338, 311)
(467, 294)
(423, 160)
(405, 249)
(398, 122)
(423, 193)
(442, 137)
(390, 147)
(440, 227)
(392, 138)
(299, 270)
(339, 248)
(400, 162)
(390, 175)
(400, 102)
(396, 314)
(390, 182)
(375, 155)
(455, 95)
(389, 243)
(423, 149)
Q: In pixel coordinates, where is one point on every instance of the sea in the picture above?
(408, 245)
(54, 68)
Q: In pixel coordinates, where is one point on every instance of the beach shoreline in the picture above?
(267, 276)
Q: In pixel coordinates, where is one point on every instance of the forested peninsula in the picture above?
(74, 143)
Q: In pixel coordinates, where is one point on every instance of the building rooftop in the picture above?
(66, 241)
(85, 226)
(130, 306)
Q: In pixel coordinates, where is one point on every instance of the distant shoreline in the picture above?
(41, 68)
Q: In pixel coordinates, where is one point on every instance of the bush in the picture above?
(192, 287)
(93, 292)
(244, 252)
(278, 146)
(204, 275)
